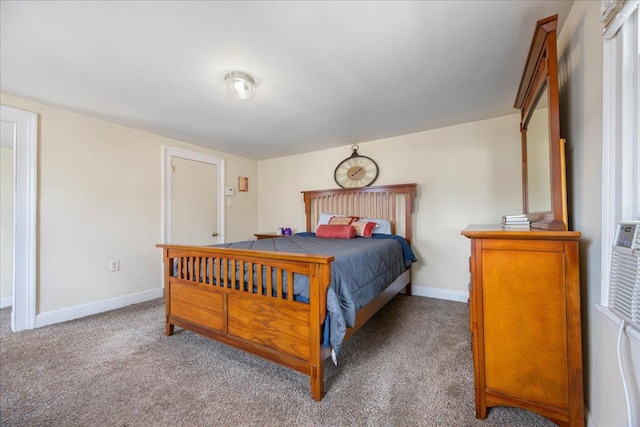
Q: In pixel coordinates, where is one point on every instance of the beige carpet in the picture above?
(410, 365)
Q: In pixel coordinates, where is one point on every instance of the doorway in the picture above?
(194, 198)
(7, 195)
(25, 138)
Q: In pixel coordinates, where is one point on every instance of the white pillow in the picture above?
(383, 227)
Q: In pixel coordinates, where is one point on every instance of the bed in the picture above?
(240, 293)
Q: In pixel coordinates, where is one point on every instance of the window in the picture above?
(621, 151)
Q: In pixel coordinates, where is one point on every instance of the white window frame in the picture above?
(620, 151)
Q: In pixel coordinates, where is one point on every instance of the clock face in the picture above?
(356, 171)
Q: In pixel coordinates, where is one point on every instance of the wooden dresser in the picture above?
(525, 321)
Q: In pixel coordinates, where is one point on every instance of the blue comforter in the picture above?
(362, 269)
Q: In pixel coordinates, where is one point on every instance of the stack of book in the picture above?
(516, 221)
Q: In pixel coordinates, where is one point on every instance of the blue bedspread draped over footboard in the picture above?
(362, 269)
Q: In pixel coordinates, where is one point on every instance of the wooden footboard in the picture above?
(243, 298)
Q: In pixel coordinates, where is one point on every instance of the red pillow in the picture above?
(328, 231)
(364, 228)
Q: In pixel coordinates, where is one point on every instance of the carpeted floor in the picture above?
(410, 365)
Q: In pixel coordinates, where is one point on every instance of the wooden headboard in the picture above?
(391, 202)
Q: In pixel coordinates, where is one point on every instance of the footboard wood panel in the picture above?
(231, 295)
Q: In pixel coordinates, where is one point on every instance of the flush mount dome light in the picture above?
(239, 85)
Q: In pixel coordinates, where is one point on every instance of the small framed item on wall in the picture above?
(243, 183)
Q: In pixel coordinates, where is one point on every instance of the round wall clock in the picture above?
(356, 171)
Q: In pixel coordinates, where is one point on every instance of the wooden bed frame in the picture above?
(277, 327)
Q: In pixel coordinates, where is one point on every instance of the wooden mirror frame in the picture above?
(540, 73)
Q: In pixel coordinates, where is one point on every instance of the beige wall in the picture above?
(580, 63)
(465, 174)
(100, 198)
(6, 223)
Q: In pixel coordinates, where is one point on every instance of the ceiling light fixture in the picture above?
(239, 85)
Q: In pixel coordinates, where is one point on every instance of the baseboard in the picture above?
(6, 302)
(439, 293)
(71, 313)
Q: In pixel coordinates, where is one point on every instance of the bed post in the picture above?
(319, 279)
(410, 194)
(307, 210)
(168, 328)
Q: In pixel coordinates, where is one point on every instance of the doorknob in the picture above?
(214, 234)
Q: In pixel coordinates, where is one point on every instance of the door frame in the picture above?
(23, 311)
(169, 153)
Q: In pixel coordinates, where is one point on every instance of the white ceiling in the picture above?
(328, 73)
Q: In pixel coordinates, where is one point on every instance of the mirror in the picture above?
(543, 174)
(537, 160)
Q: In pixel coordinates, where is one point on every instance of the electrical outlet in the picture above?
(114, 265)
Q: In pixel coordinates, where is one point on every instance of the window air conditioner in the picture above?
(624, 290)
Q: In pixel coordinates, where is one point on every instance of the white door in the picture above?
(199, 197)
(193, 202)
